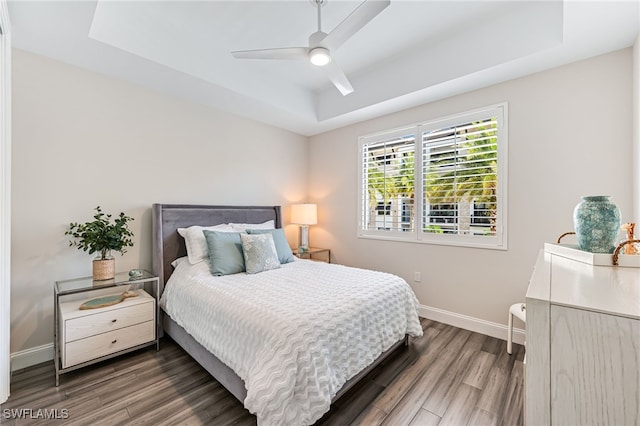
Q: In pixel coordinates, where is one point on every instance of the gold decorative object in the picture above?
(629, 228)
(564, 235)
(616, 253)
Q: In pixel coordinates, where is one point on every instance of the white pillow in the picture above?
(241, 227)
(178, 261)
(196, 244)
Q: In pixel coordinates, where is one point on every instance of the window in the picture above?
(454, 194)
(384, 208)
(442, 218)
(482, 214)
(388, 183)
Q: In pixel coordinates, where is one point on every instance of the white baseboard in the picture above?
(478, 325)
(44, 353)
(31, 356)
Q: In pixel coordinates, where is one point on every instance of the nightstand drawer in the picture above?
(107, 343)
(102, 322)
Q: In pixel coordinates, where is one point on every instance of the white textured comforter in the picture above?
(296, 334)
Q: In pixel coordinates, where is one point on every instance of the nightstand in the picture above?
(84, 337)
(321, 254)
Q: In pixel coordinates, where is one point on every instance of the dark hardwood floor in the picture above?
(449, 376)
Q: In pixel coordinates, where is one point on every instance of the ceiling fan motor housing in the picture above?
(316, 38)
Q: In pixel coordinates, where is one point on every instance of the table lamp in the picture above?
(304, 215)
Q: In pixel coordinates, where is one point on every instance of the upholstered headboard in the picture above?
(167, 218)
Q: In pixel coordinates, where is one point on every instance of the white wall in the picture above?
(81, 139)
(570, 133)
(636, 134)
(5, 202)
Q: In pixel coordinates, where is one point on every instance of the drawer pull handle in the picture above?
(114, 341)
(114, 320)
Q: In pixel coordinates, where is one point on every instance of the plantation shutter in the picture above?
(453, 193)
(388, 183)
(460, 178)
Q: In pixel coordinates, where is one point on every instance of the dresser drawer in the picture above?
(107, 343)
(114, 319)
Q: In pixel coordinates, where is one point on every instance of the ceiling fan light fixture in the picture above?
(319, 56)
(321, 44)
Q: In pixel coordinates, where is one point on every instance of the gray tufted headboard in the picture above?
(167, 245)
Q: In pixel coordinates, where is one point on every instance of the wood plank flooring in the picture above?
(449, 376)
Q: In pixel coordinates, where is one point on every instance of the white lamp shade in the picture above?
(304, 214)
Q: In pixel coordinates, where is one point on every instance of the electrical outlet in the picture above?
(417, 277)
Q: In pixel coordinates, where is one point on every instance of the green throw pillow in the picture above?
(225, 252)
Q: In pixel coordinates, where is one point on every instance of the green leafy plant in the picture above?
(434, 229)
(102, 235)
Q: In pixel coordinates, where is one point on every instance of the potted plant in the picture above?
(101, 236)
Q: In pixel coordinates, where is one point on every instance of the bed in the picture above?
(307, 402)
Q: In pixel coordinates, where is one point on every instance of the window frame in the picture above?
(372, 139)
(417, 235)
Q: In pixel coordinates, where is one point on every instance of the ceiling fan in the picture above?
(322, 44)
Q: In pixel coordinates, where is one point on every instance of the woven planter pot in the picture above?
(104, 269)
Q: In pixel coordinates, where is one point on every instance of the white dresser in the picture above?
(583, 344)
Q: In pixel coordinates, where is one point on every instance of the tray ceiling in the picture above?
(412, 53)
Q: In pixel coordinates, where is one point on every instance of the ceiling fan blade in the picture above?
(360, 17)
(338, 78)
(279, 53)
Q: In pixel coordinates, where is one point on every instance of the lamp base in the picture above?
(304, 239)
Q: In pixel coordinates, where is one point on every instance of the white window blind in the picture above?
(460, 178)
(388, 183)
(454, 194)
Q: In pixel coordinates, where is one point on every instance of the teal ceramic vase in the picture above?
(596, 221)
